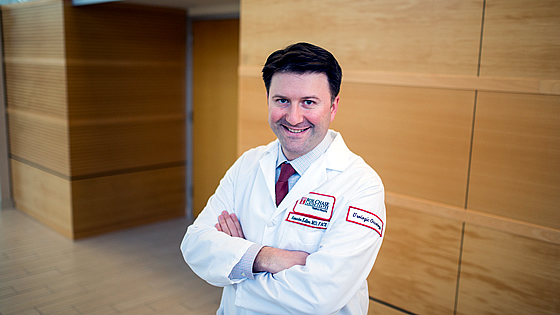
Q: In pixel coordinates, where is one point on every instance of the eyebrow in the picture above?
(305, 97)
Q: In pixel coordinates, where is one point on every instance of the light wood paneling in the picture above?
(459, 214)
(126, 100)
(456, 82)
(44, 196)
(418, 263)
(33, 30)
(411, 136)
(380, 309)
(215, 97)
(42, 140)
(96, 100)
(124, 145)
(515, 171)
(409, 105)
(124, 32)
(439, 81)
(34, 53)
(521, 39)
(33, 36)
(37, 86)
(404, 36)
(125, 89)
(506, 274)
(108, 203)
(253, 115)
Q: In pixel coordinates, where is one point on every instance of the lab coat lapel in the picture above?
(268, 168)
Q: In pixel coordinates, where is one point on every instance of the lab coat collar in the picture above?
(267, 164)
(338, 155)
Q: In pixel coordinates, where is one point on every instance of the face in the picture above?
(300, 111)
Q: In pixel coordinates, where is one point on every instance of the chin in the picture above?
(297, 151)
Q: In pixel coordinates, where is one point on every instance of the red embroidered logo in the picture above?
(365, 218)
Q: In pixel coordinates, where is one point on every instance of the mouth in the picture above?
(295, 130)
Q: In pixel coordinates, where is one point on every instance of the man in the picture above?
(310, 251)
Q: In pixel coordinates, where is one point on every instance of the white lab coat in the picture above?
(333, 281)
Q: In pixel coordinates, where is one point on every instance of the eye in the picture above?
(308, 103)
(282, 101)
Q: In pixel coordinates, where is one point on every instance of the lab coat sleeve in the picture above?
(212, 254)
(332, 276)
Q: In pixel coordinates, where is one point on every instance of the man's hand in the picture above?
(229, 224)
(268, 259)
(274, 260)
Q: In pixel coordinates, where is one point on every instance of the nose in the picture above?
(294, 115)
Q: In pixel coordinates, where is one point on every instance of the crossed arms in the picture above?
(269, 259)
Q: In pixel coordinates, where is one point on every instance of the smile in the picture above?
(296, 130)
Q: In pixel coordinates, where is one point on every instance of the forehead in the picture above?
(308, 82)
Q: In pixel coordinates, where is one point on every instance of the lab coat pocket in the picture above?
(301, 237)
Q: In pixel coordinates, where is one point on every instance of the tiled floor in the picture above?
(136, 271)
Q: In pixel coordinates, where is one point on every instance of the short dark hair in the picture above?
(303, 58)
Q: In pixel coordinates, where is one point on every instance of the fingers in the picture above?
(218, 227)
(229, 224)
(237, 225)
(223, 223)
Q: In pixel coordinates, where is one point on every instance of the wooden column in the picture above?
(215, 62)
(96, 113)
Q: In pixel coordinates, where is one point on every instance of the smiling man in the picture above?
(300, 110)
(295, 226)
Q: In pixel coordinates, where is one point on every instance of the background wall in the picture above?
(215, 61)
(96, 113)
(456, 104)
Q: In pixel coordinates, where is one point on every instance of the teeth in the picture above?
(295, 131)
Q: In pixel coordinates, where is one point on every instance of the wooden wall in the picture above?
(456, 104)
(215, 62)
(95, 108)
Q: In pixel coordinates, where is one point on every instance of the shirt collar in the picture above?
(302, 163)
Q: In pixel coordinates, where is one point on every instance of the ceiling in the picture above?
(196, 7)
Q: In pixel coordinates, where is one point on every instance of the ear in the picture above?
(334, 107)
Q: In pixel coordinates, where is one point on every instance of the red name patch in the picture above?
(365, 218)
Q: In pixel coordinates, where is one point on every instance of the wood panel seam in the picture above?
(481, 38)
(459, 269)
(145, 168)
(494, 222)
(36, 61)
(101, 174)
(50, 118)
(400, 309)
(471, 150)
(441, 81)
(62, 61)
(127, 120)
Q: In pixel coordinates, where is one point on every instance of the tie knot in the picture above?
(286, 170)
